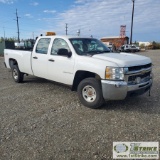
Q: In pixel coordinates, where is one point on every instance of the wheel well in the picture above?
(80, 75)
(12, 62)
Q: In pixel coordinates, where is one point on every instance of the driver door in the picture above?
(60, 68)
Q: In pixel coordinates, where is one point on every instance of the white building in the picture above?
(145, 43)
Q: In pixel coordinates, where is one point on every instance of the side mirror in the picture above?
(64, 52)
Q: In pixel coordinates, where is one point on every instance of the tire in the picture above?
(87, 87)
(16, 74)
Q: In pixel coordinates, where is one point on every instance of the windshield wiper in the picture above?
(98, 52)
(107, 51)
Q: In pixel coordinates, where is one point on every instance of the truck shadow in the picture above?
(33, 79)
(37, 80)
(144, 104)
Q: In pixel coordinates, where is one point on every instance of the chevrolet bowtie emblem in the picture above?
(143, 72)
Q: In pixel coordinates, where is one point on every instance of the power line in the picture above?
(7, 27)
(15, 28)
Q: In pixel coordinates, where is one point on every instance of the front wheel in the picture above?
(16, 74)
(90, 93)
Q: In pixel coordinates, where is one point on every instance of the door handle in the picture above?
(35, 57)
(51, 60)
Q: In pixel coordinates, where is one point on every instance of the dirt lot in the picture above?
(42, 120)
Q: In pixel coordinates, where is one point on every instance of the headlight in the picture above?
(114, 73)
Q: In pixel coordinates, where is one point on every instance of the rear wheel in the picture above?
(90, 93)
(16, 74)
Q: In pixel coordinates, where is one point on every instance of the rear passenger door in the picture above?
(40, 59)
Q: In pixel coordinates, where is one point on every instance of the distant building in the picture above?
(145, 43)
(117, 41)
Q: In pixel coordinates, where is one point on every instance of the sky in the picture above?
(99, 18)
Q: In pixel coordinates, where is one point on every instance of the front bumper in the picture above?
(119, 90)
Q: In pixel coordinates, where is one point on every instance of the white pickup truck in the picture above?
(129, 48)
(86, 65)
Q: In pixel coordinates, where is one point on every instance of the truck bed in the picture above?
(22, 57)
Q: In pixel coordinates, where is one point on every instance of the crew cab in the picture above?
(84, 64)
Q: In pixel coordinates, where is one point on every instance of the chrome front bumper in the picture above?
(118, 90)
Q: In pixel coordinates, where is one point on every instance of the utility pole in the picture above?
(66, 28)
(132, 22)
(78, 32)
(33, 34)
(17, 18)
(4, 33)
(4, 37)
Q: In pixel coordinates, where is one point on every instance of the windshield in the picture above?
(133, 46)
(88, 46)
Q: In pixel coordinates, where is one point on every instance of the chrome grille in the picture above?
(144, 77)
(136, 68)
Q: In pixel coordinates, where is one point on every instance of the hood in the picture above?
(124, 59)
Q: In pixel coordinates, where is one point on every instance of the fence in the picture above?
(6, 45)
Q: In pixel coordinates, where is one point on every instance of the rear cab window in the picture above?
(42, 45)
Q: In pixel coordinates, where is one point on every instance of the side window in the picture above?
(42, 45)
(59, 43)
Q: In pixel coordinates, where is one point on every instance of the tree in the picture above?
(156, 45)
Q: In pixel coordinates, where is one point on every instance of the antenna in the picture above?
(17, 18)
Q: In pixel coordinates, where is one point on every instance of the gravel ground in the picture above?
(42, 120)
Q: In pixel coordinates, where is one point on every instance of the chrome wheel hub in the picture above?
(15, 74)
(89, 93)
